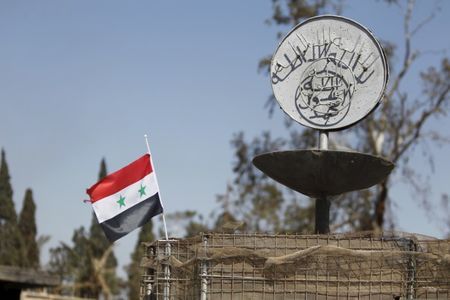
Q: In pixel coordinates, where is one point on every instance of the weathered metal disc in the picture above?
(318, 173)
(328, 73)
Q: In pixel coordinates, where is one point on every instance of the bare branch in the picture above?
(425, 21)
(421, 122)
(408, 58)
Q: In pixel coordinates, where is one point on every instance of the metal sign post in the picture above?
(322, 221)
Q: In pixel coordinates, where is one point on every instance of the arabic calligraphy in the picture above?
(324, 94)
(322, 67)
(326, 45)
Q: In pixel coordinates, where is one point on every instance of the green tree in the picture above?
(11, 244)
(75, 266)
(186, 223)
(80, 262)
(134, 271)
(59, 266)
(28, 230)
(99, 244)
(89, 266)
(7, 211)
(395, 131)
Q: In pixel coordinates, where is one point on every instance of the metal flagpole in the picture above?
(156, 180)
(166, 291)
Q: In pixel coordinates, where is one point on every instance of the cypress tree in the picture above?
(103, 171)
(7, 211)
(134, 270)
(11, 249)
(99, 244)
(28, 230)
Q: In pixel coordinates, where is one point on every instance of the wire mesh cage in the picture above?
(261, 266)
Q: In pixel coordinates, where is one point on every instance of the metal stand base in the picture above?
(322, 215)
(323, 173)
(319, 173)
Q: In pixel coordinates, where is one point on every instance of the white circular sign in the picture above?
(328, 73)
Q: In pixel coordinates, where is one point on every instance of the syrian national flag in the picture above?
(126, 199)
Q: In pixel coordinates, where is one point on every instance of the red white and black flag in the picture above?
(126, 199)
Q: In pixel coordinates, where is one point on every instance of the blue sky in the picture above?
(82, 80)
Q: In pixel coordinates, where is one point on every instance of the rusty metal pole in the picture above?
(323, 203)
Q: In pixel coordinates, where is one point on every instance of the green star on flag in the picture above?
(142, 191)
(121, 201)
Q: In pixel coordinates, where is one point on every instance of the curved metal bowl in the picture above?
(319, 173)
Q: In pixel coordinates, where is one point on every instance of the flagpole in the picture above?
(166, 290)
(156, 180)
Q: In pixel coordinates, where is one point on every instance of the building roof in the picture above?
(27, 277)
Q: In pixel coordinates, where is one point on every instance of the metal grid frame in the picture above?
(211, 266)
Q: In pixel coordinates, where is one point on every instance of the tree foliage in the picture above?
(99, 244)
(187, 223)
(257, 200)
(88, 267)
(11, 242)
(28, 231)
(7, 210)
